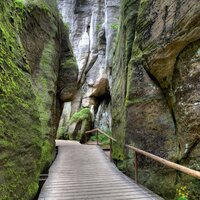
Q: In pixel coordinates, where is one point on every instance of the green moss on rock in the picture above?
(81, 115)
(82, 120)
(147, 65)
(17, 146)
(68, 73)
(26, 141)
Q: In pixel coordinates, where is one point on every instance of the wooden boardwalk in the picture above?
(84, 172)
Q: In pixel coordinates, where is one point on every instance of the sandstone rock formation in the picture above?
(92, 26)
(30, 56)
(155, 101)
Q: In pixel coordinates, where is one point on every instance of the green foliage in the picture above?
(19, 4)
(81, 115)
(102, 138)
(66, 28)
(47, 154)
(69, 62)
(188, 188)
(181, 193)
(98, 26)
(182, 198)
(114, 26)
(61, 132)
(19, 1)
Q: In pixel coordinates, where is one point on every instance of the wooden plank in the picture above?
(84, 172)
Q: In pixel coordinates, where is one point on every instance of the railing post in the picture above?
(111, 149)
(85, 138)
(136, 167)
(97, 134)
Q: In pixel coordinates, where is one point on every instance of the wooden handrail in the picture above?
(97, 129)
(91, 131)
(163, 161)
(167, 163)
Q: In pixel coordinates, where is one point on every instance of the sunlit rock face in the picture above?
(92, 25)
(155, 90)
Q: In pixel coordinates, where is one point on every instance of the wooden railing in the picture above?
(97, 130)
(186, 170)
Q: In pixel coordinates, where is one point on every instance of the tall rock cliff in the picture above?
(92, 25)
(155, 90)
(32, 64)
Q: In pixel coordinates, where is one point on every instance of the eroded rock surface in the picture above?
(92, 26)
(155, 89)
(30, 54)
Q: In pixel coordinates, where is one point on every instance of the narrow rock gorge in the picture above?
(92, 27)
(129, 67)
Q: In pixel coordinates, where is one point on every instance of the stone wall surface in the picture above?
(92, 25)
(155, 98)
(30, 56)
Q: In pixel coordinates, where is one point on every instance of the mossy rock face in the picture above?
(19, 136)
(124, 41)
(68, 73)
(29, 64)
(42, 47)
(154, 65)
(79, 123)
